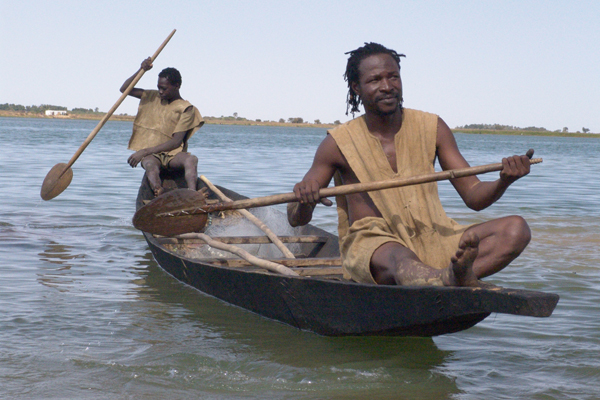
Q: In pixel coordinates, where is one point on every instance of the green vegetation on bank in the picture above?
(513, 130)
(16, 110)
(235, 119)
(41, 109)
(524, 133)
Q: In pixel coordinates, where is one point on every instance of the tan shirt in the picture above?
(157, 121)
(414, 213)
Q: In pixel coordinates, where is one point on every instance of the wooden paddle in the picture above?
(60, 176)
(183, 210)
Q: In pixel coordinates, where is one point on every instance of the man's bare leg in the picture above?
(501, 241)
(394, 264)
(152, 166)
(189, 163)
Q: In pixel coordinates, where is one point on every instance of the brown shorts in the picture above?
(368, 234)
(164, 158)
(357, 247)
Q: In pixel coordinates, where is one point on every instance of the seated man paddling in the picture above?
(162, 127)
(402, 236)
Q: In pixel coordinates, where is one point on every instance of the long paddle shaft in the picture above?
(53, 184)
(342, 190)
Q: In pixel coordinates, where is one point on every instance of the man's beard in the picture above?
(391, 112)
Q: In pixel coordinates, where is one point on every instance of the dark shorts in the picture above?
(164, 158)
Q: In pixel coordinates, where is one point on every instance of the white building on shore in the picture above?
(50, 113)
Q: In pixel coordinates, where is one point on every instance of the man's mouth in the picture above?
(388, 99)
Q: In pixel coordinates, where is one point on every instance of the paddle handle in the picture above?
(356, 188)
(116, 105)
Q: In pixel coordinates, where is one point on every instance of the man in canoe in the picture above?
(163, 125)
(402, 236)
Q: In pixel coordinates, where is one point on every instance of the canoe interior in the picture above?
(320, 300)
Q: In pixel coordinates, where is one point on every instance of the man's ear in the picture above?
(355, 88)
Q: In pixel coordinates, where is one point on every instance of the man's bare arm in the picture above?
(476, 194)
(327, 160)
(136, 92)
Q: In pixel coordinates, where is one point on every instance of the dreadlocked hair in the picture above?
(352, 74)
(172, 75)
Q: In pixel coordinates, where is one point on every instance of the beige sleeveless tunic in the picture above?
(412, 215)
(156, 121)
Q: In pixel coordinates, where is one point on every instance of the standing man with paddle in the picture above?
(162, 127)
(402, 235)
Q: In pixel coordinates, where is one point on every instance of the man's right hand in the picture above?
(307, 193)
(136, 158)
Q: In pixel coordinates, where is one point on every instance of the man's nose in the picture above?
(385, 85)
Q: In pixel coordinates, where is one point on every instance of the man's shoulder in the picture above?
(415, 113)
(353, 124)
(149, 95)
(183, 105)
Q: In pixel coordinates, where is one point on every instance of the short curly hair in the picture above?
(352, 73)
(172, 75)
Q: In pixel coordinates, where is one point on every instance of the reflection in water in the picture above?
(61, 255)
(227, 341)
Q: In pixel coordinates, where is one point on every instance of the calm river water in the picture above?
(86, 313)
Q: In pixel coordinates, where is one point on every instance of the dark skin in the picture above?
(186, 161)
(484, 249)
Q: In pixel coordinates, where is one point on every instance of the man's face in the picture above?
(167, 91)
(379, 86)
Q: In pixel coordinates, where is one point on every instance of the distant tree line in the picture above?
(43, 107)
(498, 127)
(32, 109)
(291, 120)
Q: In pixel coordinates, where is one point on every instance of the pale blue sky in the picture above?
(522, 63)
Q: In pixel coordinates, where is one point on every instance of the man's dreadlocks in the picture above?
(352, 74)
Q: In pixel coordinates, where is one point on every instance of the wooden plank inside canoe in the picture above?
(192, 239)
(333, 272)
(288, 262)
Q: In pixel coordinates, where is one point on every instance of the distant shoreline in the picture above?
(121, 117)
(242, 121)
(525, 133)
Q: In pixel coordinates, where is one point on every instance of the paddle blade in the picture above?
(57, 180)
(146, 218)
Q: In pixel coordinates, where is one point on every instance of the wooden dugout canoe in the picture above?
(319, 299)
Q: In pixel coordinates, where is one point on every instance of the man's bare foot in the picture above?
(159, 191)
(460, 272)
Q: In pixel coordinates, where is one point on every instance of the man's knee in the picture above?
(151, 164)
(189, 162)
(517, 233)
